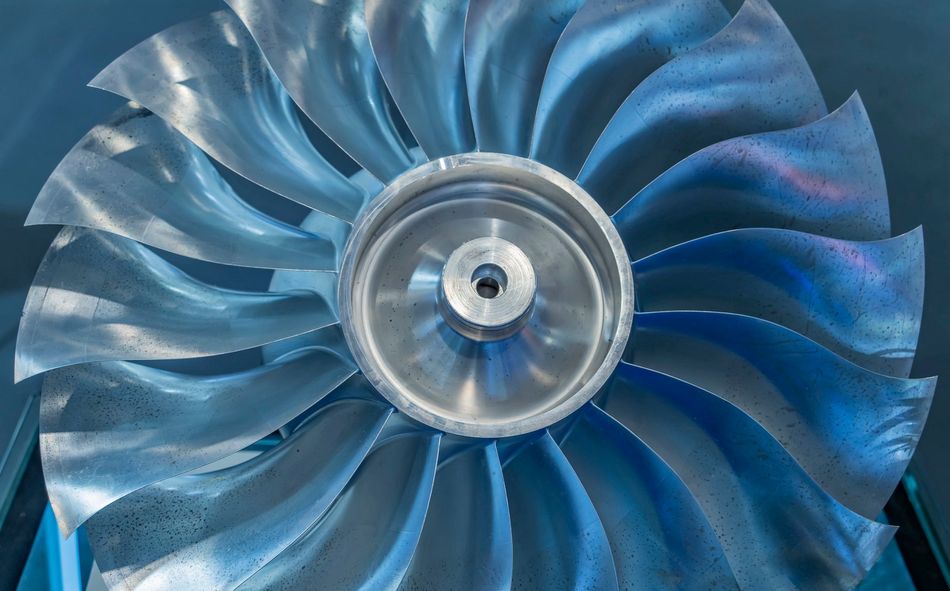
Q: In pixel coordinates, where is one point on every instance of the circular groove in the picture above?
(487, 290)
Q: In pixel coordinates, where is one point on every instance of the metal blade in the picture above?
(466, 541)
(825, 178)
(854, 431)
(507, 46)
(137, 177)
(367, 539)
(101, 297)
(107, 429)
(607, 49)
(751, 77)
(559, 541)
(418, 47)
(208, 79)
(214, 530)
(777, 527)
(658, 533)
(862, 300)
(320, 51)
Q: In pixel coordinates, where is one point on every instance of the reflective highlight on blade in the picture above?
(137, 177)
(418, 47)
(110, 428)
(100, 297)
(507, 46)
(213, 530)
(751, 77)
(862, 300)
(853, 431)
(607, 49)
(777, 527)
(658, 534)
(209, 80)
(558, 538)
(466, 541)
(367, 539)
(825, 178)
(321, 53)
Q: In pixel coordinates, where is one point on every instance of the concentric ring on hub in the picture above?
(540, 295)
(487, 289)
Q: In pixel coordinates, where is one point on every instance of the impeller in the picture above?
(626, 314)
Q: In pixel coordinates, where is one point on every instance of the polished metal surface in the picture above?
(559, 540)
(777, 527)
(466, 541)
(657, 531)
(137, 177)
(803, 282)
(852, 430)
(750, 77)
(100, 297)
(368, 537)
(824, 178)
(418, 47)
(488, 288)
(507, 47)
(391, 281)
(214, 530)
(321, 53)
(100, 419)
(607, 49)
(437, 334)
(208, 79)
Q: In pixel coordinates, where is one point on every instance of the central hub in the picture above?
(485, 295)
(488, 288)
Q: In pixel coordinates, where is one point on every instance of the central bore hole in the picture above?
(489, 281)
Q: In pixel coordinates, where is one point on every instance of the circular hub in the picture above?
(488, 288)
(485, 295)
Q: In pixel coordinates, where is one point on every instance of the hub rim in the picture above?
(516, 303)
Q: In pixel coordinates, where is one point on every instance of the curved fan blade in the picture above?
(777, 527)
(853, 431)
(108, 429)
(418, 47)
(214, 530)
(321, 52)
(751, 77)
(607, 49)
(330, 338)
(367, 539)
(466, 541)
(208, 79)
(825, 178)
(101, 297)
(137, 177)
(558, 538)
(507, 46)
(862, 300)
(658, 533)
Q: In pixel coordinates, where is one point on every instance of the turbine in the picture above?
(628, 316)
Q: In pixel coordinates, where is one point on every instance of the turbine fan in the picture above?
(445, 342)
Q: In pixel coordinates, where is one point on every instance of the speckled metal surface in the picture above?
(777, 527)
(99, 418)
(765, 482)
(749, 78)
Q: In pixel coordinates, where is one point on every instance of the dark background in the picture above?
(894, 53)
